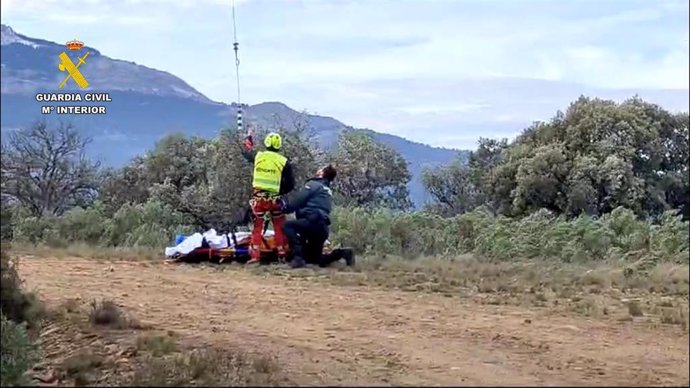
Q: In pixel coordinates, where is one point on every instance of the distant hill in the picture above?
(148, 104)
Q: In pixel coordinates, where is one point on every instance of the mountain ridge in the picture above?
(149, 103)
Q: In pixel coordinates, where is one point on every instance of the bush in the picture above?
(618, 235)
(542, 234)
(18, 310)
(36, 230)
(17, 353)
(15, 304)
(150, 224)
(670, 237)
(85, 225)
(6, 221)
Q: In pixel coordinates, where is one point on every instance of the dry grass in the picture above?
(207, 367)
(89, 251)
(96, 357)
(157, 345)
(470, 274)
(597, 291)
(81, 362)
(162, 363)
(634, 309)
(107, 313)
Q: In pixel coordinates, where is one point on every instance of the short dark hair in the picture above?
(329, 173)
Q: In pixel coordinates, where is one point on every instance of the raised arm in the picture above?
(248, 150)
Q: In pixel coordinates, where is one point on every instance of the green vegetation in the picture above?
(18, 353)
(618, 235)
(593, 158)
(603, 185)
(19, 311)
(602, 181)
(572, 214)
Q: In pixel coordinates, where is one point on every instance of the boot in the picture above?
(297, 262)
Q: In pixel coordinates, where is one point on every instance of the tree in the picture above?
(459, 188)
(540, 180)
(207, 180)
(596, 156)
(298, 133)
(128, 184)
(452, 189)
(369, 173)
(202, 179)
(45, 169)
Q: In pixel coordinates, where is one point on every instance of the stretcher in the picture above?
(233, 247)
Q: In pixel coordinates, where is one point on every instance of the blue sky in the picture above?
(442, 72)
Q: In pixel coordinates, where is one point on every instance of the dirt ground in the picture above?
(324, 334)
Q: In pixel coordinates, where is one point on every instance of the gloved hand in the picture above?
(282, 204)
(248, 142)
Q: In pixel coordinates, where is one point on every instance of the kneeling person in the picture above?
(312, 205)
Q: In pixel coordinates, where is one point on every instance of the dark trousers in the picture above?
(306, 238)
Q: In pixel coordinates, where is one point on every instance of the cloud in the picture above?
(76, 19)
(436, 109)
(419, 69)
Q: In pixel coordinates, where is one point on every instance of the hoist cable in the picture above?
(237, 68)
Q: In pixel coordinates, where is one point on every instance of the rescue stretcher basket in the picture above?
(236, 250)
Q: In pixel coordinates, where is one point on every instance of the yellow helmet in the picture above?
(273, 140)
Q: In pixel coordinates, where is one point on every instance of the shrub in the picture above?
(35, 230)
(16, 304)
(107, 313)
(381, 232)
(85, 225)
(18, 310)
(149, 224)
(17, 353)
(542, 234)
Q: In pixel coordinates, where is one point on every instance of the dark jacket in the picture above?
(287, 179)
(313, 202)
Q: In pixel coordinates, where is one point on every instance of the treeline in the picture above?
(593, 158)
(602, 180)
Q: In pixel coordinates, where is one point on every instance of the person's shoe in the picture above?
(297, 262)
(349, 257)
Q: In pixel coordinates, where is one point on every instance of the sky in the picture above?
(441, 72)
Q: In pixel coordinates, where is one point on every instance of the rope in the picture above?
(237, 69)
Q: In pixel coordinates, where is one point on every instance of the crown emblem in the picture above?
(74, 44)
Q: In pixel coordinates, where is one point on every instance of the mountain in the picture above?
(148, 103)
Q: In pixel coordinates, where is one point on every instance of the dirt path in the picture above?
(339, 335)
